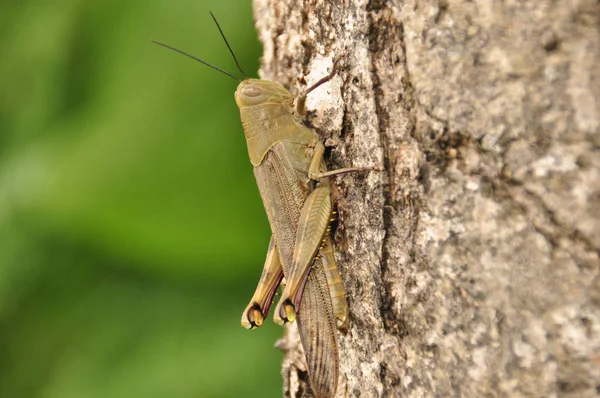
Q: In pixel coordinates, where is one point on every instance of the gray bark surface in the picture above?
(471, 262)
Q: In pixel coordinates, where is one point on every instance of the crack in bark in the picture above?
(384, 32)
(554, 237)
(391, 321)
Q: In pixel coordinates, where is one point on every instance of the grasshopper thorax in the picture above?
(252, 92)
(266, 110)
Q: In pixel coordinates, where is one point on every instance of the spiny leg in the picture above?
(313, 223)
(336, 289)
(254, 314)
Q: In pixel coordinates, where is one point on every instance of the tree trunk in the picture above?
(471, 262)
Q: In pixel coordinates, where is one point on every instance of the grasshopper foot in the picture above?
(285, 312)
(252, 317)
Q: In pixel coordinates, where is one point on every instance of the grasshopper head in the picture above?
(252, 92)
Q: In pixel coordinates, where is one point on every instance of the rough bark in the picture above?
(471, 263)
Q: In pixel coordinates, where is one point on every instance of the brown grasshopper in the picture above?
(293, 182)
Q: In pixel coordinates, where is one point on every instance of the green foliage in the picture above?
(131, 230)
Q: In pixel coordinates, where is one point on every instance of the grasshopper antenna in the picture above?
(198, 59)
(227, 43)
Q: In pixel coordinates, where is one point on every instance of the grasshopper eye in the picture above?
(252, 91)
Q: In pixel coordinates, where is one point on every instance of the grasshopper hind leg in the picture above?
(314, 250)
(312, 227)
(336, 288)
(254, 314)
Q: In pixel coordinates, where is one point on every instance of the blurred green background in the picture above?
(131, 230)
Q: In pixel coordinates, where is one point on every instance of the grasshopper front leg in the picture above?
(315, 173)
(270, 279)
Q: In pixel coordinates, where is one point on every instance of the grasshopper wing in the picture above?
(317, 328)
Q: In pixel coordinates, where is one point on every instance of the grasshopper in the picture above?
(293, 182)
